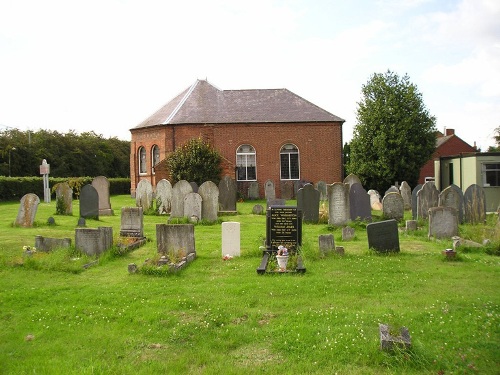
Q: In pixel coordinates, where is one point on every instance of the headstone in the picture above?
(283, 227)
(192, 205)
(383, 236)
(427, 197)
(321, 187)
(101, 184)
(209, 193)
(253, 190)
(308, 203)
(338, 204)
(359, 203)
(81, 222)
(179, 191)
(411, 225)
(163, 197)
(443, 222)
(405, 191)
(375, 202)
(51, 221)
(93, 241)
(64, 199)
(175, 239)
(49, 244)
(474, 205)
(144, 195)
(392, 189)
(89, 202)
(452, 196)
(257, 209)
(390, 342)
(352, 179)
(287, 190)
(269, 191)
(347, 233)
(228, 194)
(132, 222)
(393, 206)
(326, 243)
(414, 192)
(194, 186)
(231, 238)
(275, 202)
(27, 210)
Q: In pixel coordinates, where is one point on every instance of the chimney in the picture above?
(449, 131)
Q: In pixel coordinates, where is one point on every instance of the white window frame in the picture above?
(287, 151)
(244, 155)
(490, 167)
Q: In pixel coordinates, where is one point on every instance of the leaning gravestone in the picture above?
(405, 191)
(89, 202)
(383, 236)
(269, 191)
(359, 203)
(176, 239)
(393, 206)
(27, 210)
(132, 223)
(474, 205)
(228, 194)
(101, 184)
(453, 197)
(144, 195)
(193, 205)
(163, 196)
(253, 190)
(308, 203)
(64, 199)
(231, 238)
(179, 191)
(414, 192)
(443, 222)
(352, 179)
(209, 193)
(321, 187)
(427, 197)
(338, 204)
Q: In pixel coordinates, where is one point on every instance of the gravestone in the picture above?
(405, 191)
(375, 202)
(48, 244)
(275, 202)
(64, 199)
(253, 190)
(443, 222)
(411, 225)
(179, 192)
(144, 195)
(132, 222)
(89, 202)
(393, 206)
(228, 194)
(392, 189)
(93, 241)
(101, 184)
(163, 197)
(359, 203)
(257, 209)
(194, 186)
(81, 222)
(176, 239)
(287, 190)
(269, 191)
(283, 227)
(414, 192)
(326, 243)
(347, 233)
(321, 187)
(192, 205)
(383, 236)
(427, 197)
(209, 193)
(474, 205)
(308, 203)
(352, 179)
(338, 204)
(452, 196)
(231, 238)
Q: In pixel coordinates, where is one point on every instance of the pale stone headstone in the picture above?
(163, 196)
(228, 194)
(93, 241)
(326, 243)
(231, 238)
(269, 191)
(405, 191)
(176, 239)
(474, 205)
(347, 233)
(375, 201)
(393, 206)
(64, 199)
(101, 184)
(209, 193)
(321, 187)
(383, 236)
(392, 189)
(253, 190)
(308, 202)
(452, 196)
(257, 209)
(414, 192)
(192, 205)
(352, 179)
(338, 204)
(443, 222)
(49, 244)
(89, 202)
(287, 190)
(132, 222)
(179, 191)
(144, 195)
(427, 197)
(359, 203)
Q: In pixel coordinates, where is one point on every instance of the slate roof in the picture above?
(203, 103)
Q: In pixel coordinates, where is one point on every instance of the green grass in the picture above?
(220, 317)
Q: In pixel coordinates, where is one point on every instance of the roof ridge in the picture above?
(181, 103)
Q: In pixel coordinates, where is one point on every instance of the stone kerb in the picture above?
(393, 206)
(209, 193)
(338, 204)
(49, 244)
(93, 241)
(443, 222)
(179, 191)
(27, 210)
(101, 184)
(231, 238)
(175, 239)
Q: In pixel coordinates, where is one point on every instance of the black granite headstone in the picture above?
(359, 203)
(308, 203)
(383, 236)
(283, 227)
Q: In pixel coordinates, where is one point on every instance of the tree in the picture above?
(195, 161)
(497, 140)
(394, 135)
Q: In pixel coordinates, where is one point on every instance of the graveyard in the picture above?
(219, 315)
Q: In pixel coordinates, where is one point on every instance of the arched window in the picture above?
(245, 163)
(142, 160)
(155, 157)
(289, 162)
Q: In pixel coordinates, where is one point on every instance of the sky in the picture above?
(106, 65)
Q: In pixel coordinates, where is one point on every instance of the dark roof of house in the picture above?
(203, 103)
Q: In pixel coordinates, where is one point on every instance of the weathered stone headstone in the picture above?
(179, 192)
(393, 206)
(49, 244)
(414, 192)
(474, 205)
(269, 191)
(283, 227)
(89, 202)
(383, 236)
(347, 233)
(392, 189)
(427, 197)
(194, 186)
(81, 222)
(308, 203)
(411, 225)
(275, 202)
(326, 243)
(163, 196)
(405, 191)
(101, 184)
(321, 187)
(375, 201)
(132, 222)
(209, 193)
(64, 199)
(176, 239)
(338, 204)
(452, 196)
(443, 222)
(390, 342)
(231, 238)
(352, 179)
(287, 190)
(257, 209)
(192, 205)
(253, 190)
(359, 203)
(93, 241)
(228, 194)
(144, 195)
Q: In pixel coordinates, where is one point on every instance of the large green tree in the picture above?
(497, 140)
(394, 135)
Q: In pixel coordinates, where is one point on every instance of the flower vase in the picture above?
(282, 262)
